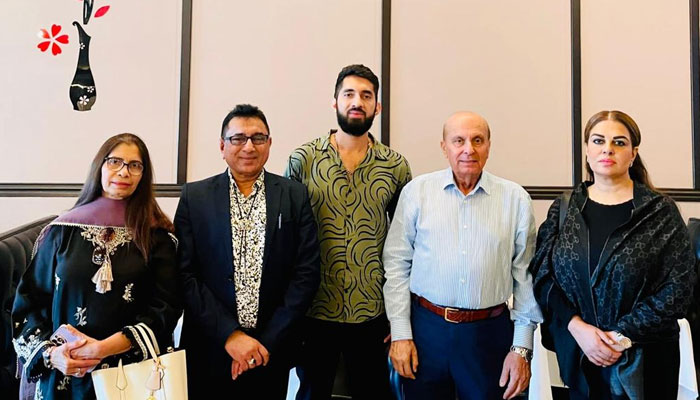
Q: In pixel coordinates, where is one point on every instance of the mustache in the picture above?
(357, 110)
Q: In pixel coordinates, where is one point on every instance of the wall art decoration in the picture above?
(82, 92)
(128, 51)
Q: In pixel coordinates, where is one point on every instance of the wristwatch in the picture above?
(623, 340)
(522, 352)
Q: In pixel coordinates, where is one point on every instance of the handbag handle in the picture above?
(153, 383)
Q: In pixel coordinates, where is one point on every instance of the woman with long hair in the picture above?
(613, 272)
(97, 272)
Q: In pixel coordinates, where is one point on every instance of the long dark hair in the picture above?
(638, 172)
(142, 210)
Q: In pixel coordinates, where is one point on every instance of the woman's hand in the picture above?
(62, 360)
(99, 349)
(595, 343)
(91, 350)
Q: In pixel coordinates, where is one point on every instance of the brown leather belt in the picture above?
(457, 315)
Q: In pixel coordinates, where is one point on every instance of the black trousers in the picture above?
(363, 349)
(263, 382)
(661, 368)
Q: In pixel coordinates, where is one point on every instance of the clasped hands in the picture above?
(247, 353)
(601, 347)
(515, 372)
(78, 357)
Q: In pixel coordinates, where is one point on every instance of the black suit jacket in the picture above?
(290, 274)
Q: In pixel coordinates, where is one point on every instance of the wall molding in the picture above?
(70, 189)
(173, 190)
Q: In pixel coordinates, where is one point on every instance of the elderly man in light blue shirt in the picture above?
(458, 248)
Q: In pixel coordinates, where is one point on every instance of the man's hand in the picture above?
(404, 357)
(246, 351)
(516, 372)
(596, 344)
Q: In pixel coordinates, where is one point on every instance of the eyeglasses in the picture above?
(116, 164)
(240, 140)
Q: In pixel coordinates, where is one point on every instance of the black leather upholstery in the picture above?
(15, 253)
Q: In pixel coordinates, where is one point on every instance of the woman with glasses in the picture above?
(613, 272)
(97, 272)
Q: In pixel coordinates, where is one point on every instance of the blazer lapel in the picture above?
(222, 218)
(273, 194)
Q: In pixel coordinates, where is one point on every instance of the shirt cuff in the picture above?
(401, 330)
(522, 336)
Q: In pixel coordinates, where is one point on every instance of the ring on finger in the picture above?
(251, 361)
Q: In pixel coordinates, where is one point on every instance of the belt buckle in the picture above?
(447, 310)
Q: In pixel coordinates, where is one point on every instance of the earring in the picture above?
(632, 163)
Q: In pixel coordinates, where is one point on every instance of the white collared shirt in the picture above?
(466, 251)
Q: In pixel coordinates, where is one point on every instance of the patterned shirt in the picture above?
(248, 219)
(466, 251)
(352, 211)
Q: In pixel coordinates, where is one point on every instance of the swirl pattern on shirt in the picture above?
(352, 211)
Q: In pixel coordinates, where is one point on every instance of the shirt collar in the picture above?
(484, 182)
(259, 181)
(378, 148)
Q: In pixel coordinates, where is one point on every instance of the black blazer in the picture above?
(290, 275)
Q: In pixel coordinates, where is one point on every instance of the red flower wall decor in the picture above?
(52, 39)
(82, 92)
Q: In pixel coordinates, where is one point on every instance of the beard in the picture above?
(355, 127)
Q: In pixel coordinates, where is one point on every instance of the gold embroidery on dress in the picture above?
(106, 241)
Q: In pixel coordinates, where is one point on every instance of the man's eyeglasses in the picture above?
(240, 140)
(116, 164)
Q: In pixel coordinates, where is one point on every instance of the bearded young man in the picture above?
(354, 183)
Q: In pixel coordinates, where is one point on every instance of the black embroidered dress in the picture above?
(641, 286)
(58, 288)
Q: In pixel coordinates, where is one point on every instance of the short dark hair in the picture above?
(356, 70)
(244, 111)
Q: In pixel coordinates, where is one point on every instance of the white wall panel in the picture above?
(508, 60)
(282, 56)
(635, 57)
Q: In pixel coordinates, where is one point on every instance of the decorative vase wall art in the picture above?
(82, 91)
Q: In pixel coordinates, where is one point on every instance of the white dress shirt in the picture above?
(465, 251)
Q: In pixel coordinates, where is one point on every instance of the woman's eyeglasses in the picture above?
(116, 164)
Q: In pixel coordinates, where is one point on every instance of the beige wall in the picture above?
(635, 58)
(134, 57)
(282, 56)
(511, 63)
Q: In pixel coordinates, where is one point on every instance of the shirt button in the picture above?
(462, 281)
(464, 252)
(465, 227)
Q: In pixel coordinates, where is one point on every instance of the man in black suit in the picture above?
(249, 261)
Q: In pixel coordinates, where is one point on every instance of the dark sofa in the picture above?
(15, 253)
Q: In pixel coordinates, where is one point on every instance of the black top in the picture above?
(602, 220)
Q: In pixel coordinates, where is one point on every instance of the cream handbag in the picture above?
(159, 377)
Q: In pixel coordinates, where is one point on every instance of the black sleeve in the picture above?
(31, 312)
(199, 301)
(551, 298)
(304, 282)
(673, 294)
(165, 305)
